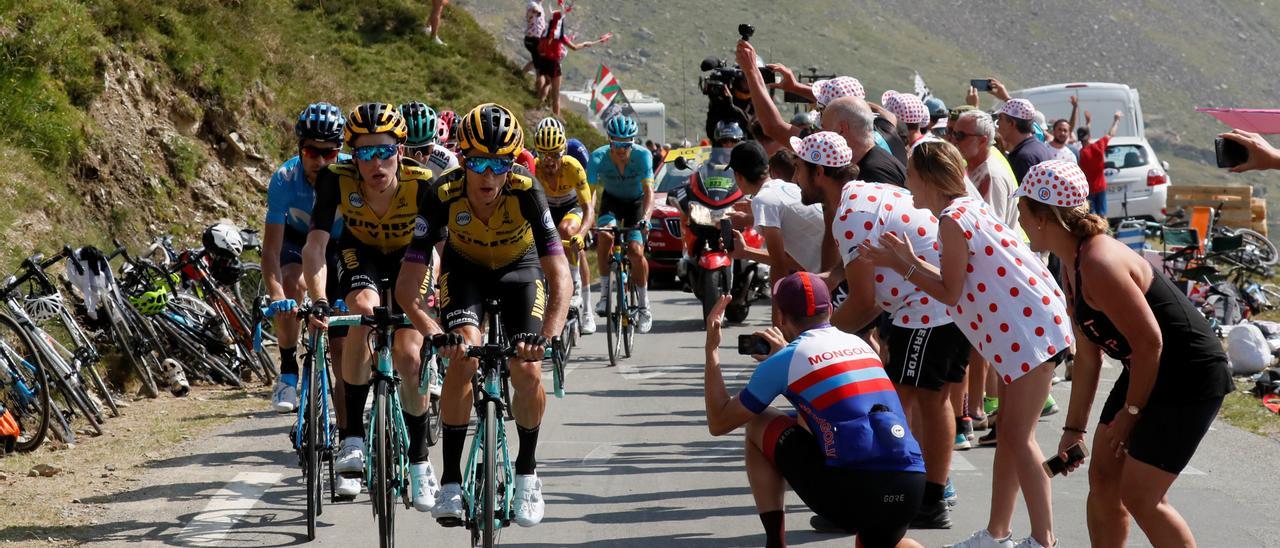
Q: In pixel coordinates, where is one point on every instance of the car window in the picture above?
(670, 178)
(1126, 156)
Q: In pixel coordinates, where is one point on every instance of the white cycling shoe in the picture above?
(350, 457)
(448, 508)
(983, 539)
(174, 378)
(588, 324)
(347, 487)
(644, 320)
(529, 505)
(284, 398)
(425, 486)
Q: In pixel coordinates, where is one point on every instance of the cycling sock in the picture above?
(643, 291)
(288, 362)
(576, 276)
(355, 394)
(586, 292)
(417, 430)
(775, 529)
(454, 438)
(932, 493)
(604, 285)
(526, 463)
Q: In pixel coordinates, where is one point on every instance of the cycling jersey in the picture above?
(441, 160)
(628, 184)
(578, 151)
(519, 231)
(400, 227)
(566, 188)
(290, 199)
(838, 385)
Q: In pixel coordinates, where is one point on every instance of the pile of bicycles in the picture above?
(172, 317)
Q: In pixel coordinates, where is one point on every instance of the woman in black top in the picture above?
(1175, 371)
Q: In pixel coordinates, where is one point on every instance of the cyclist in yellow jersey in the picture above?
(500, 240)
(379, 193)
(569, 196)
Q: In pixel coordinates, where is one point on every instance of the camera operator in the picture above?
(728, 102)
(850, 455)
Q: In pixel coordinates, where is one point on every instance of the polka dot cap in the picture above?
(1056, 183)
(868, 211)
(1011, 309)
(827, 91)
(824, 148)
(1021, 109)
(908, 108)
(884, 97)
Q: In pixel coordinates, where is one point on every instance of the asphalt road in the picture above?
(626, 460)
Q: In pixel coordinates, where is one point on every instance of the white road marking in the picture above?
(961, 464)
(601, 455)
(237, 498)
(1192, 471)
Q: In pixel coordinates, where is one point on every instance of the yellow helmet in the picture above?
(491, 129)
(372, 119)
(549, 136)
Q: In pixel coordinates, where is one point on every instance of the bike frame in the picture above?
(487, 387)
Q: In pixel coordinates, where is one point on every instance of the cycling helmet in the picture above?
(225, 270)
(152, 301)
(43, 308)
(549, 137)
(421, 120)
(729, 130)
(578, 151)
(491, 129)
(374, 118)
(447, 126)
(621, 127)
(321, 122)
(223, 239)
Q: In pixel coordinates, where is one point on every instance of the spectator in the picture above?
(770, 145)
(552, 48)
(1015, 128)
(938, 116)
(535, 26)
(1093, 157)
(823, 186)
(973, 134)
(787, 225)
(433, 20)
(1063, 131)
(1175, 372)
(912, 118)
(782, 165)
(851, 118)
(852, 458)
(803, 121)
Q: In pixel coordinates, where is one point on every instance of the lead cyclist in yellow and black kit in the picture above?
(500, 240)
(569, 196)
(380, 195)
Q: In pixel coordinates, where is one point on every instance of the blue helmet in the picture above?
(578, 151)
(621, 127)
(321, 122)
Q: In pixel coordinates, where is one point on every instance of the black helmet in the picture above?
(491, 129)
(321, 122)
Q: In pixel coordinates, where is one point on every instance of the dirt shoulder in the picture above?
(61, 509)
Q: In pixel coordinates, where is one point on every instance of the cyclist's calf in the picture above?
(406, 356)
(356, 357)
(455, 395)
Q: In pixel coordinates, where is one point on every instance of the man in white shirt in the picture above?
(973, 134)
(792, 231)
(535, 25)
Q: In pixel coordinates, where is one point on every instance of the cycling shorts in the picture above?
(616, 211)
(560, 213)
(464, 286)
(1166, 435)
(291, 253)
(877, 504)
(927, 357)
(363, 267)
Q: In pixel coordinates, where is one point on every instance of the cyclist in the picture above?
(578, 151)
(565, 184)
(500, 240)
(379, 195)
(422, 145)
(625, 173)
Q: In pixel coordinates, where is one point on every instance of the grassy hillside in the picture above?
(133, 117)
(1180, 54)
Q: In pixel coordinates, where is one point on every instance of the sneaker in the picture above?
(600, 305)
(175, 378)
(438, 41)
(1056, 379)
(990, 405)
(284, 397)
(989, 440)
(1031, 542)
(350, 456)
(347, 486)
(644, 320)
(980, 423)
(983, 539)
(425, 486)
(933, 516)
(949, 494)
(964, 427)
(824, 525)
(448, 509)
(962, 442)
(1050, 407)
(529, 505)
(588, 324)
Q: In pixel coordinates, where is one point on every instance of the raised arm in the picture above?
(766, 112)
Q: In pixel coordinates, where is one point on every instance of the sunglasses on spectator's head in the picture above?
(320, 152)
(381, 152)
(499, 166)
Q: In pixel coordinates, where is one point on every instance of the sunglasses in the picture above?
(552, 155)
(381, 152)
(620, 144)
(420, 149)
(960, 135)
(326, 153)
(499, 166)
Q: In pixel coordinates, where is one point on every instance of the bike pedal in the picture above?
(450, 522)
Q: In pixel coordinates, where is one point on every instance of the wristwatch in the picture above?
(1133, 410)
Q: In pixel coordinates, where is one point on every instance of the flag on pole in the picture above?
(922, 89)
(603, 90)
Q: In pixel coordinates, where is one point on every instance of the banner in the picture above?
(607, 97)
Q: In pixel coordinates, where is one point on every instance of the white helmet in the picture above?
(224, 239)
(548, 121)
(43, 308)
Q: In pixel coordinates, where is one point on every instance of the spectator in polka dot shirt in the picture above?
(1008, 306)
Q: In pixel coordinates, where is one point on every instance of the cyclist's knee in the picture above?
(635, 249)
(525, 375)
(362, 301)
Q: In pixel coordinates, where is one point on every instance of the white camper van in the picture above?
(1101, 99)
(651, 113)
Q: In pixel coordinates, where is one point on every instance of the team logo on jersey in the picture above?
(462, 219)
(546, 219)
(355, 200)
(420, 227)
(898, 431)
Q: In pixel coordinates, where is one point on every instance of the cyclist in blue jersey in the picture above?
(578, 151)
(290, 198)
(849, 454)
(622, 173)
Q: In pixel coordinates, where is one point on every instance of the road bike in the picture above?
(622, 307)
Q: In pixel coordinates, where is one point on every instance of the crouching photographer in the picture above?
(849, 454)
(729, 98)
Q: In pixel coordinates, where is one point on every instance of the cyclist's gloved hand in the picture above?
(281, 306)
(530, 347)
(449, 346)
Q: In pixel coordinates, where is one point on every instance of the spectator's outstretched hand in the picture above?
(788, 77)
(746, 55)
(971, 98)
(998, 90)
(715, 320)
(1075, 101)
(1118, 115)
(1261, 154)
(605, 37)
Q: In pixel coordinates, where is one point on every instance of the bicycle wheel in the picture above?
(629, 326)
(130, 344)
(613, 330)
(101, 386)
(384, 498)
(1259, 246)
(23, 387)
(489, 510)
(311, 423)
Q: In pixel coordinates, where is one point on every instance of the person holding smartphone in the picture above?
(1175, 371)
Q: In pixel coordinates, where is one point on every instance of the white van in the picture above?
(651, 113)
(1101, 99)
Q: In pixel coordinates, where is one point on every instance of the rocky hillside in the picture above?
(130, 118)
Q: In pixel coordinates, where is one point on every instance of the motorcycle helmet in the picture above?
(223, 239)
(729, 130)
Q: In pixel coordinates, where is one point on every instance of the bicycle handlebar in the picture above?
(370, 320)
(620, 229)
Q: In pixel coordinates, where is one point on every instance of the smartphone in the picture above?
(1056, 465)
(750, 345)
(1229, 153)
(981, 85)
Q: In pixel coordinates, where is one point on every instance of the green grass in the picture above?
(1246, 412)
